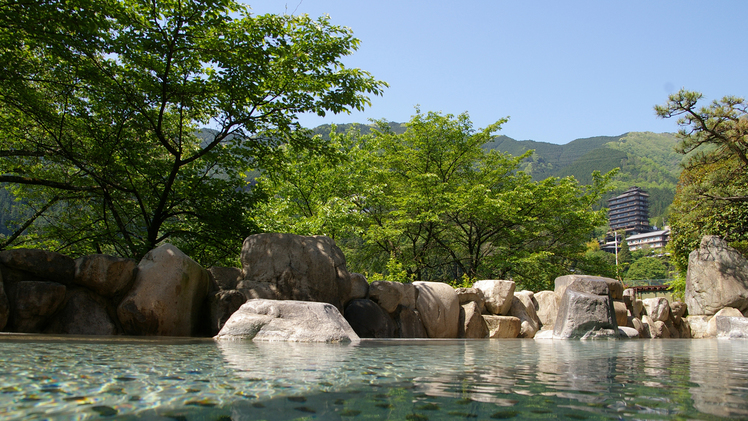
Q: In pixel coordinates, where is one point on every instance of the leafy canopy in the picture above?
(102, 105)
(432, 204)
(712, 193)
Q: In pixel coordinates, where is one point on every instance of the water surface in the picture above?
(127, 378)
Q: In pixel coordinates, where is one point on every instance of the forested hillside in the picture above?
(645, 159)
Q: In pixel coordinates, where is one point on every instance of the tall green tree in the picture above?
(433, 202)
(102, 105)
(712, 193)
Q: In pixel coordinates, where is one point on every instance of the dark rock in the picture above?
(107, 276)
(4, 306)
(32, 303)
(223, 278)
(47, 265)
(581, 312)
(369, 320)
(222, 304)
(409, 323)
(82, 313)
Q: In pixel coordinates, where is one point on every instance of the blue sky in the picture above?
(559, 70)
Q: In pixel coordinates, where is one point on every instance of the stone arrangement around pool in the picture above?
(297, 288)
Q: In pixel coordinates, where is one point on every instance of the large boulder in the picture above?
(353, 288)
(369, 320)
(47, 265)
(293, 321)
(83, 313)
(658, 308)
(105, 275)
(523, 308)
(502, 326)
(439, 307)
(590, 284)
(472, 325)
(656, 329)
(498, 295)
(32, 303)
(390, 295)
(580, 313)
(409, 324)
(303, 268)
(221, 305)
(547, 308)
(467, 295)
(711, 327)
(732, 327)
(717, 277)
(168, 296)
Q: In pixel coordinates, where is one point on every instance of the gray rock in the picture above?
(353, 287)
(466, 295)
(254, 290)
(168, 297)
(547, 308)
(47, 265)
(472, 325)
(732, 327)
(83, 313)
(293, 321)
(304, 268)
(677, 310)
(32, 303)
(591, 285)
(717, 277)
(599, 333)
(369, 320)
(698, 325)
(656, 329)
(523, 309)
(221, 305)
(502, 326)
(224, 278)
(581, 312)
(439, 307)
(409, 324)
(387, 294)
(498, 295)
(105, 275)
(711, 329)
(658, 308)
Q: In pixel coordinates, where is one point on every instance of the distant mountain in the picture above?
(645, 159)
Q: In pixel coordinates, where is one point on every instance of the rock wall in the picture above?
(168, 294)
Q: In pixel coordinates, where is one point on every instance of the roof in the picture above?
(648, 234)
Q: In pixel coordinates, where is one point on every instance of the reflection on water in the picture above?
(412, 380)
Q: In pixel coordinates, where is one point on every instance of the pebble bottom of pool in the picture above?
(188, 379)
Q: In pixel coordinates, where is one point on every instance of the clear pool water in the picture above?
(64, 378)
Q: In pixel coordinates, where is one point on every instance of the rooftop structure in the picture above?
(652, 239)
(630, 212)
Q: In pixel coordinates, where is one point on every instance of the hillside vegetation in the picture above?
(645, 159)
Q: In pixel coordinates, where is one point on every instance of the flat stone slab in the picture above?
(287, 320)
